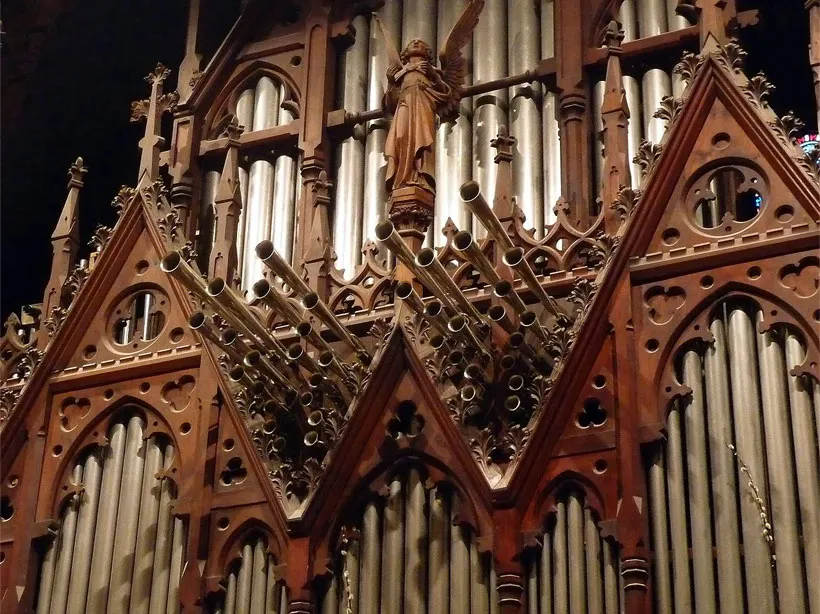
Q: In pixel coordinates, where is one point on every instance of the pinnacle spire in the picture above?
(227, 206)
(152, 109)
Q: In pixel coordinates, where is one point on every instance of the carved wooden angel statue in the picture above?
(416, 91)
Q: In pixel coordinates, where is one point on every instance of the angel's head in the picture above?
(417, 48)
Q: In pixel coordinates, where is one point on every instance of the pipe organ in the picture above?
(269, 183)
(410, 553)
(118, 548)
(253, 586)
(734, 493)
(573, 570)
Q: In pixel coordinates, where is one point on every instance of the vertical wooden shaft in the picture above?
(162, 549)
(749, 443)
(106, 521)
(592, 543)
(561, 597)
(415, 544)
(545, 573)
(697, 466)
(722, 470)
(459, 569)
(146, 529)
(575, 543)
(783, 493)
(660, 531)
(259, 578)
(611, 579)
(677, 513)
(84, 541)
(393, 548)
(439, 572)
(805, 448)
(65, 551)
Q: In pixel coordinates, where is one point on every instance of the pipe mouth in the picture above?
(507, 362)
(325, 359)
(315, 418)
(437, 342)
(516, 339)
(269, 426)
(528, 318)
(472, 371)
(261, 288)
(303, 329)
(197, 320)
(496, 313)
(425, 257)
(295, 351)
(311, 438)
(513, 257)
(512, 403)
(279, 444)
(171, 262)
(502, 288)
(432, 309)
(457, 323)
(462, 240)
(291, 396)
(306, 399)
(252, 358)
(216, 286)
(310, 300)
(258, 388)
(271, 407)
(384, 230)
(469, 190)
(236, 373)
(515, 383)
(468, 393)
(264, 250)
(455, 357)
(315, 380)
(228, 336)
(404, 290)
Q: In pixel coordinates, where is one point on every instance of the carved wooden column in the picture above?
(65, 241)
(227, 207)
(509, 569)
(813, 7)
(183, 168)
(297, 577)
(152, 109)
(573, 110)
(189, 68)
(712, 20)
(615, 118)
(319, 254)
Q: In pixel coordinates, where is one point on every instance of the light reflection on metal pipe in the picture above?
(276, 263)
(471, 196)
(204, 325)
(280, 304)
(256, 361)
(297, 354)
(464, 244)
(498, 315)
(404, 291)
(306, 330)
(427, 260)
(514, 258)
(314, 304)
(512, 403)
(504, 290)
(529, 320)
(459, 326)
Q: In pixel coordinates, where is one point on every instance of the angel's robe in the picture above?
(409, 148)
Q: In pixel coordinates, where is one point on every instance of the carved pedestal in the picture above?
(411, 210)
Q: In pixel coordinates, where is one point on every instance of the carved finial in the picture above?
(76, 173)
(152, 109)
(503, 197)
(613, 36)
(319, 253)
(503, 144)
(232, 129)
(711, 19)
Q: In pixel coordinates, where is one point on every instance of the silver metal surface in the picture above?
(677, 513)
(65, 548)
(598, 125)
(460, 568)
(575, 545)
(552, 155)
(651, 17)
(419, 21)
(162, 554)
(439, 552)
(81, 563)
(479, 590)
(654, 87)
(628, 19)
(370, 561)
(548, 28)
(243, 580)
(146, 529)
(595, 584)
(673, 20)
(393, 549)
(660, 535)
(284, 194)
(415, 539)
(545, 574)
(560, 558)
(634, 132)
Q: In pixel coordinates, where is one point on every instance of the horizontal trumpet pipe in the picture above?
(274, 261)
(175, 265)
(504, 290)
(512, 403)
(459, 326)
(427, 259)
(255, 360)
(498, 315)
(530, 322)
(435, 313)
(405, 292)
(278, 303)
(205, 326)
(314, 304)
(471, 195)
(387, 234)
(464, 244)
(474, 372)
(517, 343)
(307, 331)
(514, 258)
(297, 354)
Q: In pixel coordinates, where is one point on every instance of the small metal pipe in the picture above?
(275, 262)
(297, 354)
(278, 303)
(472, 197)
(65, 548)
(575, 542)
(162, 551)
(259, 577)
(146, 529)
(84, 546)
(415, 559)
(498, 315)
(595, 585)
(459, 567)
(459, 326)
(529, 320)
(254, 360)
(426, 259)
(561, 569)
(514, 258)
(205, 325)
(307, 331)
(503, 289)
(435, 313)
(464, 244)
(243, 582)
(315, 305)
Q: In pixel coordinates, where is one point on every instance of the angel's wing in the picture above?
(453, 66)
(393, 56)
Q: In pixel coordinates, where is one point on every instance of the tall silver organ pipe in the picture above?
(284, 192)
(375, 196)
(350, 153)
(656, 84)
(598, 124)
(489, 110)
(673, 20)
(551, 145)
(745, 406)
(253, 586)
(632, 91)
(651, 17)
(411, 552)
(454, 141)
(629, 20)
(115, 549)
(244, 116)
(574, 570)
(524, 49)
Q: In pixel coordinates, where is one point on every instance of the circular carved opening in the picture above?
(728, 194)
(185, 428)
(784, 213)
(599, 382)
(176, 335)
(652, 345)
(142, 267)
(57, 450)
(139, 318)
(754, 272)
(600, 466)
(592, 415)
(670, 236)
(223, 523)
(90, 352)
(145, 387)
(108, 394)
(296, 60)
(707, 281)
(228, 444)
(720, 140)
(6, 509)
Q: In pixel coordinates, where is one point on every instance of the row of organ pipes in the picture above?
(118, 547)
(253, 585)
(511, 38)
(743, 395)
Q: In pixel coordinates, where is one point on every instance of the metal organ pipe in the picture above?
(628, 20)
(393, 548)
(655, 85)
(439, 572)
(146, 529)
(284, 191)
(65, 550)
(651, 17)
(673, 20)
(81, 564)
(660, 529)
(415, 551)
(632, 92)
(595, 592)
(370, 561)
(350, 153)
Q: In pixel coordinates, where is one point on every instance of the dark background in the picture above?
(90, 66)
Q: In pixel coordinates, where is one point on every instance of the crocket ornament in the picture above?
(416, 92)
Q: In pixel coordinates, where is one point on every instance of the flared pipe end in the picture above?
(426, 256)
(469, 191)
(513, 257)
(303, 329)
(325, 359)
(171, 262)
(216, 286)
(528, 318)
(264, 250)
(457, 323)
(462, 240)
(228, 336)
(310, 300)
(295, 351)
(261, 288)
(502, 288)
(512, 403)
(384, 230)
(197, 320)
(404, 289)
(496, 313)
(236, 373)
(432, 309)
(252, 358)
